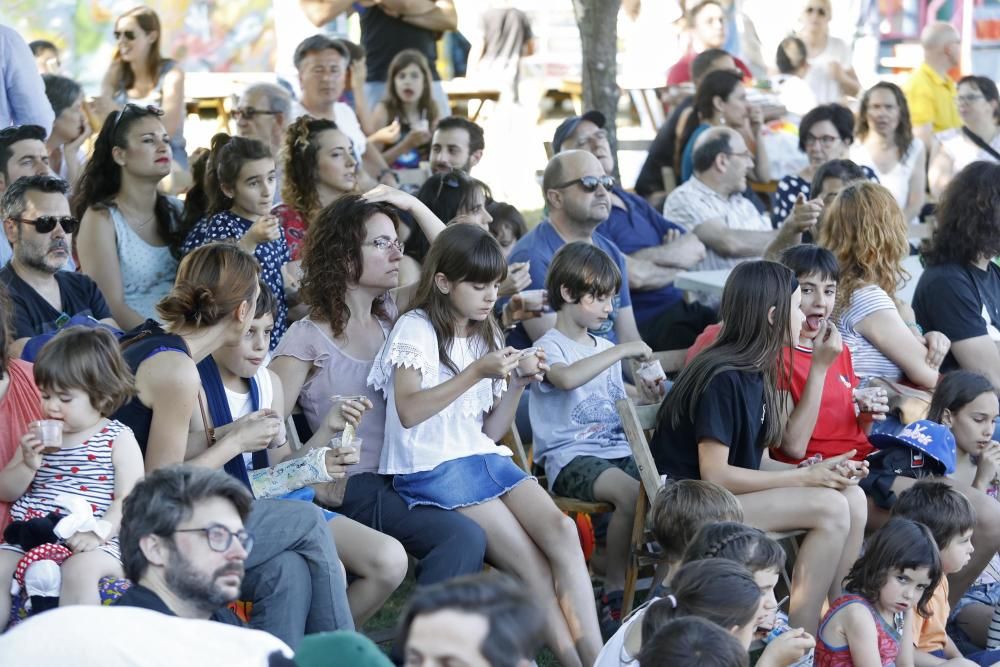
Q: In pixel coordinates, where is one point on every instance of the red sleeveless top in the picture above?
(840, 656)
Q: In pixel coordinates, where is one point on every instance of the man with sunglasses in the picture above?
(38, 224)
(263, 112)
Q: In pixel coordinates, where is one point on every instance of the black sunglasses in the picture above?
(250, 112)
(820, 11)
(129, 35)
(44, 224)
(141, 110)
(589, 183)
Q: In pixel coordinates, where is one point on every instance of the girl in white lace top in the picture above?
(443, 372)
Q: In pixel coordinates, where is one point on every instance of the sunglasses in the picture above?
(44, 224)
(129, 35)
(818, 11)
(137, 109)
(250, 112)
(589, 183)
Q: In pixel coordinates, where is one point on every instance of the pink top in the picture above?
(337, 373)
(20, 406)
(840, 656)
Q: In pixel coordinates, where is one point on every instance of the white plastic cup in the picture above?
(533, 300)
(50, 432)
(652, 371)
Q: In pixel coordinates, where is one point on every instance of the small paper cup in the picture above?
(528, 363)
(533, 299)
(652, 371)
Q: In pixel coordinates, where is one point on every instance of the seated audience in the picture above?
(322, 63)
(83, 379)
(319, 167)
(140, 75)
(656, 249)
(649, 183)
(710, 427)
(70, 129)
(865, 230)
(185, 543)
(246, 414)
(264, 112)
(707, 30)
(692, 641)
(130, 234)
(20, 402)
(959, 291)
(22, 153)
(930, 90)
(831, 76)
(46, 57)
(240, 184)
(407, 112)
(887, 146)
(43, 298)
(354, 297)
(507, 226)
(825, 133)
(793, 66)
(721, 100)
(978, 139)
(832, 177)
(446, 410)
(212, 306)
(486, 619)
(457, 144)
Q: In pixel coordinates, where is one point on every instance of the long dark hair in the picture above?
(393, 103)
(716, 589)
(900, 544)
(720, 83)
(149, 21)
(463, 253)
(445, 195)
(968, 217)
(903, 136)
(101, 180)
(298, 187)
(225, 159)
(748, 342)
(956, 390)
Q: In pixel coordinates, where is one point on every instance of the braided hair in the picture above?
(736, 541)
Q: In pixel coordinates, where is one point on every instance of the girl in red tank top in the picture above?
(873, 621)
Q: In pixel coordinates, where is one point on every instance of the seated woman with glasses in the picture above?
(130, 233)
(139, 74)
(977, 139)
(825, 133)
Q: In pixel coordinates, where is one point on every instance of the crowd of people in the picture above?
(251, 385)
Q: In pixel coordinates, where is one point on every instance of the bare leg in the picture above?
(621, 490)
(825, 514)
(555, 534)
(376, 560)
(8, 563)
(858, 504)
(510, 549)
(82, 572)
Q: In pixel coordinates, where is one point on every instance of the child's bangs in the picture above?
(485, 262)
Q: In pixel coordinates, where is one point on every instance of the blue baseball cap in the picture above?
(933, 439)
(567, 127)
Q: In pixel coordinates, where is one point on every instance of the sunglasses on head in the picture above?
(129, 35)
(44, 224)
(137, 109)
(589, 183)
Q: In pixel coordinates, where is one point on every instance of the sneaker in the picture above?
(609, 613)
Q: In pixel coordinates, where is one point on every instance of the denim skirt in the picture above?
(470, 480)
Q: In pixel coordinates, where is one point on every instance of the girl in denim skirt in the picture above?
(449, 399)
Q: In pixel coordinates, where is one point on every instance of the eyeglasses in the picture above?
(44, 224)
(220, 538)
(129, 35)
(250, 112)
(383, 244)
(589, 183)
(818, 11)
(136, 109)
(825, 141)
(746, 155)
(969, 99)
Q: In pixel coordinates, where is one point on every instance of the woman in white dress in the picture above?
(977, 139)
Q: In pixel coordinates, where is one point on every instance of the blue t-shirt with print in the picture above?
(538, 247)
(634, 228)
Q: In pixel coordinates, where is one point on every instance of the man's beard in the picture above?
(188, 584)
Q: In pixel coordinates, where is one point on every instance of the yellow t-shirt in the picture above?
(930, 633)
(931, 99)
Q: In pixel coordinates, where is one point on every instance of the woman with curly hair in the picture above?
(886, 144)
(865, 230)
(351, 287)
(959, 292)
(319, 168)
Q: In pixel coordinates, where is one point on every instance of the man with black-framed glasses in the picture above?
(263, 112)
(38, 224)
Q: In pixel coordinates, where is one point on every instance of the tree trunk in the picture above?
(598, 24)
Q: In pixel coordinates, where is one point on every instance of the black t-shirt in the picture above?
(661, 152)
(961, 302)
(33, 315)
(142, 597)
(731, 411)
(384, 36)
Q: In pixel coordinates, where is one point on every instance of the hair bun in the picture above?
(189, 303)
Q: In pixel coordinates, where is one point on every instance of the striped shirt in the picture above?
(868, 359)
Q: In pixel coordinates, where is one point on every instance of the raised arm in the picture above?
(802, 417)
(97, 247)
(436, 15)
(320, 12)
(571, 376)
(173, 101)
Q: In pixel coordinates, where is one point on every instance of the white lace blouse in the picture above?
(453, 433)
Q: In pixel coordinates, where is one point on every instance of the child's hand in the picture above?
(873, 400)
(496, 365)
(346, 410)
(805, 214)
(339, 458)
(31, 450)
(417, 138)
(651, 392)
(256, 430)
(827, 345)
(266, 229)
(989, 463)
(387, 135)
(831, 473)
(787, 648)
(518, 380)
(81, 542)
(637, 350)
(518, 278)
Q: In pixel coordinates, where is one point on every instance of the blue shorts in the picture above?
(470, 480)
(986, 594)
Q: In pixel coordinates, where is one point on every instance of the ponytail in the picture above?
(717, 589)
